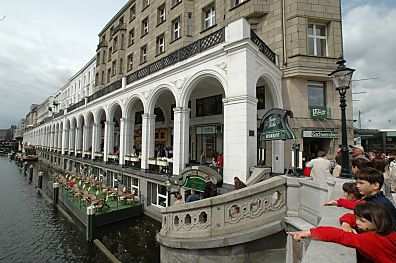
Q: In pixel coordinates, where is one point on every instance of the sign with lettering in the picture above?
(275, 126)
(195, 182)
(320, 134)
(320, 113)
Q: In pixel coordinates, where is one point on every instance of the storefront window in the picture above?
(209, 106)
(209, 141)
(157, 194)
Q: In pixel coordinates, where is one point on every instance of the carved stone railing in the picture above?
(250, 213)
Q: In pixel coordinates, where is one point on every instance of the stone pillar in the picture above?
(106, 142)
(240, 137)
(55, 145)
(72, 136)
(123, 131)
(129, 132)
(77, 139)
(278, 153)
(181, 133)
(65, 138)
(84, 142)
(95, 139)
(60, 138)
(148, 133)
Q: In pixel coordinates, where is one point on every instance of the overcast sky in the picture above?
(44, 42)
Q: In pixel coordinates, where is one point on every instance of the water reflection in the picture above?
(33, 231)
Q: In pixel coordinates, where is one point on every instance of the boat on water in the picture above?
(29, 154)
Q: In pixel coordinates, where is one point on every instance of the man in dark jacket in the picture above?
(210, 188)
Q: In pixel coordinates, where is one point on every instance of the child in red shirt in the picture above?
(374, 241)
(351, 197)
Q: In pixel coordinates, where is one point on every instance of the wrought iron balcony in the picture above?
(263, 47)
(100, 93)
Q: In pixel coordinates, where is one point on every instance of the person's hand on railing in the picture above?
(331, 202)
(298, 236)
(347, 228)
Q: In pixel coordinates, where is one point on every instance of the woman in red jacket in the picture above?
(351, 197)
(374, 241)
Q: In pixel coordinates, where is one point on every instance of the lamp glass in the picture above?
(342, 78)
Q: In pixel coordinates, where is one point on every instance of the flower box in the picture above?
(87, 153)
(79, 151)
(162, 162)
(112, 156)
(98, 154)
(152, 161)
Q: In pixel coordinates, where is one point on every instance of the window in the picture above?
(121, 65)
(98, 58)
(131, 37)
(130, 62)
(108, 75)
(156, 195)
(143, 54)
(176, 29)
(209, 106)
(161, 14)
(145, 28)
(115, 43)
(160, 44)
(103, 78)
(316, 94)
(109, 55)
(122, 41)
(146, 3)
(132, 13)
(189, 25)
(238, 2)
(175, 2)
(104, 56)
(209, 16)
(317, 40)
(111, 31)
(260, 95)
(114, 68)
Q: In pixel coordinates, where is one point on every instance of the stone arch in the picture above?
(195, 79)
(98, 114)
(130, 103)
(156, 94)
(113, 107)
(276, 90)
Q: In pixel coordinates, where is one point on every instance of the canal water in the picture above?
(33, 231)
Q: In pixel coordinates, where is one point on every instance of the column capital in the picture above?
(148, 116)
(240, 99)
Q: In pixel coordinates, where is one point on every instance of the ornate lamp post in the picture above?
(168, 186)
(341, 78)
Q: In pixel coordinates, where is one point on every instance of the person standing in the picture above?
(210, 188)
(220, 163)
(202, 159)
(320, 168)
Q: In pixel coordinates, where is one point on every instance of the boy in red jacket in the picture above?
(376, 242)
(369, 182)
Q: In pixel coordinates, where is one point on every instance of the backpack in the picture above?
(213, 190)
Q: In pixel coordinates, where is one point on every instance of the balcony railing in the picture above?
(100, 93)
(263, 47)
(179, 55)
(59, 114)
(76, 105)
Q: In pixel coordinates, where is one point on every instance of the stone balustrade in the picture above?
(227, 219)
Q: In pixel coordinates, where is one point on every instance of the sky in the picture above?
(44, 42)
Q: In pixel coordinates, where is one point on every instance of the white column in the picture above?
(95, 139)
(129, 133)
(64, 139)
(106, 148)
(240, 137)
(72, 136)
(76, 140)
(180, 139)
(60, 138)
(123, 132)
(148, 133)
(80, 139)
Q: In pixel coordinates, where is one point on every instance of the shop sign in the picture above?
(195, 182)
(206, 130)
(320, 113)
(320, 134)
(275, 126)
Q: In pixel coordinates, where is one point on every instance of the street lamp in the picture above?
(341, 78)
(168, 186)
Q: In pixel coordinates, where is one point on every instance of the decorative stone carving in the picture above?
(222, 66)
(179, 83)
(146, 93)
(197, 220)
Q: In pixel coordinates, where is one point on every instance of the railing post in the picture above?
(90, 215)
(40, 180)
(30, 173)
(55, 186)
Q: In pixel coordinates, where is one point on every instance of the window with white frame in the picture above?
(156, 194)
(317, 40)
(189, 25)
(238, 2)
(135, 186)
(209, 16)
(130, 62)
(143, 54)
(114, 67)
(160, 44)
(145, 3)
(161, 14)
(316, 94)
(131, 37)
(176, 29)
(145, 26)
(132, 12)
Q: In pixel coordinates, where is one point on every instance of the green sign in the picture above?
(119, 178)
(320, 134)
(275, 126)
(320, 113)
(195, 182)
